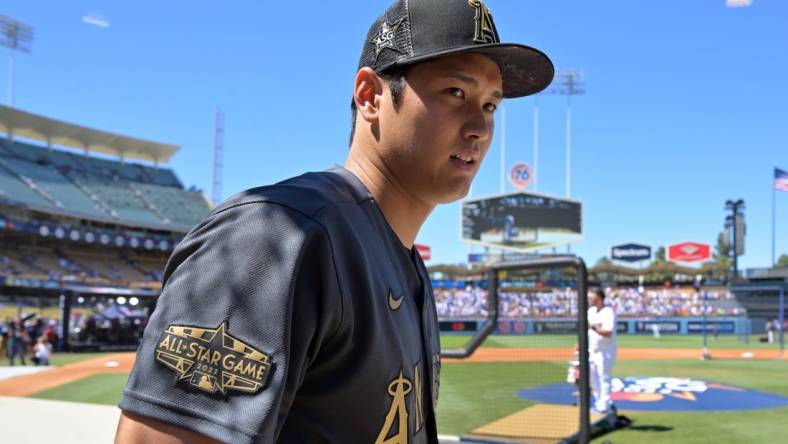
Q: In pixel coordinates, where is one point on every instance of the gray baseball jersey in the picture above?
(293, 313)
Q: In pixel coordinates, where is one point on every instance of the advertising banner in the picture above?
(664, 327)
(711, 327)
(521, 176)
(689, 252)
(630, 252)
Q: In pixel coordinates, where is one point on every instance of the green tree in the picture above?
(602, 261)
(722, 254)
(783, 261)
(659, 256)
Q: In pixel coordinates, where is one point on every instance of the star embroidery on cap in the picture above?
(385, 37)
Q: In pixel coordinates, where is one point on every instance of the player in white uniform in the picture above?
(601, 349)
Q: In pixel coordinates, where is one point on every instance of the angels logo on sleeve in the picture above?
(212, 360)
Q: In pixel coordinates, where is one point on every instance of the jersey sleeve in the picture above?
(608, 318)
(249, 298)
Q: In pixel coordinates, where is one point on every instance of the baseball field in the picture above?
(488, 386)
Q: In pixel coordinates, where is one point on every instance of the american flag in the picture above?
(780, 180)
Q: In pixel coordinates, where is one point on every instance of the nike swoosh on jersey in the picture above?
(394, 303)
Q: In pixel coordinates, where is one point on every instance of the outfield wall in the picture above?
(634, 326)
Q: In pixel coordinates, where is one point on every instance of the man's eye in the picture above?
(490, 107)
(456, 92)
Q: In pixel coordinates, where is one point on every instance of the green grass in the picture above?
(96, 389)
(58, 358)
(629, 341)
(753, 426)
(473, 394)
(749, 426)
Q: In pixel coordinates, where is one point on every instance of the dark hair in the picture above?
(395, 78)
(600, 293)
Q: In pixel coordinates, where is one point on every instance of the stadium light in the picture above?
(16, 36)
(571, 82)
(737, 243)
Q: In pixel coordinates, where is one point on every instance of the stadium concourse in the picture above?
(84, 237)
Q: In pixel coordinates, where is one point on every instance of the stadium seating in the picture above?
(117, 195)
(181, 207)
(88, 186)
(105, 266)
(14, 189)
(64, 192)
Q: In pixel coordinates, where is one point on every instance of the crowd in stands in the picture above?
(562, 302)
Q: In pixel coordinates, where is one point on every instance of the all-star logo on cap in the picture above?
(385, 38)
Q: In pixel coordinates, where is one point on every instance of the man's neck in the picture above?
(404, 213)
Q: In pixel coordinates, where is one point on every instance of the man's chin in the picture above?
(458, 194)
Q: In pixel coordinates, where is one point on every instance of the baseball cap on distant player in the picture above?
(412, 31)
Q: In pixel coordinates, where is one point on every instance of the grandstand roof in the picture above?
(51, 131)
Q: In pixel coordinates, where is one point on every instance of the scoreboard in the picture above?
(522, 221)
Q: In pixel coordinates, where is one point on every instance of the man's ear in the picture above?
(367, 93)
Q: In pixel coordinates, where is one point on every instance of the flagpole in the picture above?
(774, 222)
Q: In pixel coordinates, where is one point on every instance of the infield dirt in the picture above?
(27, 385)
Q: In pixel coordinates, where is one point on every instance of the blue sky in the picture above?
(686, 103)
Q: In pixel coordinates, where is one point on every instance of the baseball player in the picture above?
(601, 349)
(300, 312)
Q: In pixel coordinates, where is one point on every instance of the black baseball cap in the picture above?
(412, 31)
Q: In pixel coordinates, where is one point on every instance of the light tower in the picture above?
(16, 36)
(571, 82)
(535, 169)
(735, 225)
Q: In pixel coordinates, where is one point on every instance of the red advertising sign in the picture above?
(689, 252)
(424, 251)
(520, 175)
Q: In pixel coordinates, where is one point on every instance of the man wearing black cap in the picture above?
(300, 311)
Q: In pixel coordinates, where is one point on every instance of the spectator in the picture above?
(16, 341)
(42, 351)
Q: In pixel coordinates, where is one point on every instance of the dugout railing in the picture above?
(493, 274)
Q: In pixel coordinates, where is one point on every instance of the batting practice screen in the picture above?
(514, 339)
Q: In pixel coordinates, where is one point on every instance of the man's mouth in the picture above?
(468, 160)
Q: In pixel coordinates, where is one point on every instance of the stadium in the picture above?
(89, 218)
(85, 239)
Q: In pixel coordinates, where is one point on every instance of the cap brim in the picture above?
(524, 70)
